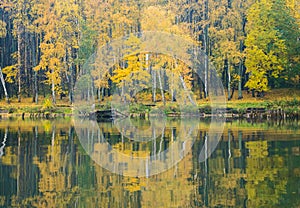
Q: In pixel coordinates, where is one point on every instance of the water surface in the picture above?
(43, 164)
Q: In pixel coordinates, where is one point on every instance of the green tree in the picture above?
(266, 53)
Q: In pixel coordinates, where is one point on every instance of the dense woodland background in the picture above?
(254, 44)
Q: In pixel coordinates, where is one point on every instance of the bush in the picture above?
(12, 110)
(139, 108)
(205, 109)
(47, 105)
(171, 108)
(294, 103)
(189, 109)
(103, 106)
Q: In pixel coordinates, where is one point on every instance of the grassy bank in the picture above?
(286, 99)
(26, 108)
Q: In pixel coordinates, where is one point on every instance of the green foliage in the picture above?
(284, 104)
(139, 108)
(103, 106)
(205, 109)
(268, 42)
(12, 110)
(171, 108)
(30, 109)
(189, 109)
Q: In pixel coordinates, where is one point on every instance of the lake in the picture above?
(56, 163)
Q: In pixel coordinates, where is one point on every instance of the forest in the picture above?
(253, 44)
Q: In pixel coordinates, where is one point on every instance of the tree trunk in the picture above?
(102, 93)
(228, 80)
(240, 82)
(122, 92)
(232, 93)
(240, 96)
(71, 84)
(153, 86)
(35, 58)
(187, 91)
(53, 88)
(200, 83)
(26, 63)
(205, 44)
(253, 93)
(173, 99)
(153, 75)
(92, 90)
(99, 94)
(36, 93)
(4, 87)
(19, 63)
(161, 89)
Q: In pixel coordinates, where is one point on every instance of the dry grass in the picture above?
(26, 105)
(247, 101)
(271, 96)
(27, 102)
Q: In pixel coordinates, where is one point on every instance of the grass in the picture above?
(27, 106)
(277, 98)
(288, 99)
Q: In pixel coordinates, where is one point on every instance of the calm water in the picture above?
(43, 164)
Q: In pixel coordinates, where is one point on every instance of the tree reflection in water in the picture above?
(44, 165)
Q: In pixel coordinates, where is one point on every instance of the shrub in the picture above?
(171, 108)
(12, 110)
(189, 109)
(139, 108)
(47, 105)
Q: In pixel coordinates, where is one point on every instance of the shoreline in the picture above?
(232, 113)
(34, 115)
(248, 110)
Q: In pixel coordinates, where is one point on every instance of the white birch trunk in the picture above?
(187, 91)
(161, 89)
(4, 87)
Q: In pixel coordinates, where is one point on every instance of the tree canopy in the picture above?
(254, 45)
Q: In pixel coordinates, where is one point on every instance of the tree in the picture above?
(226, 35)
(289, 25)
(131, 71)
(162, 18)
(2, 35)
(4, 87)
(266, 53)
(19, 16)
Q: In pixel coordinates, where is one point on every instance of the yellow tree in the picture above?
(69, 34)
(52, 50)
(163, 19)
(59, 24)
(101, 76)
(131, 73)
